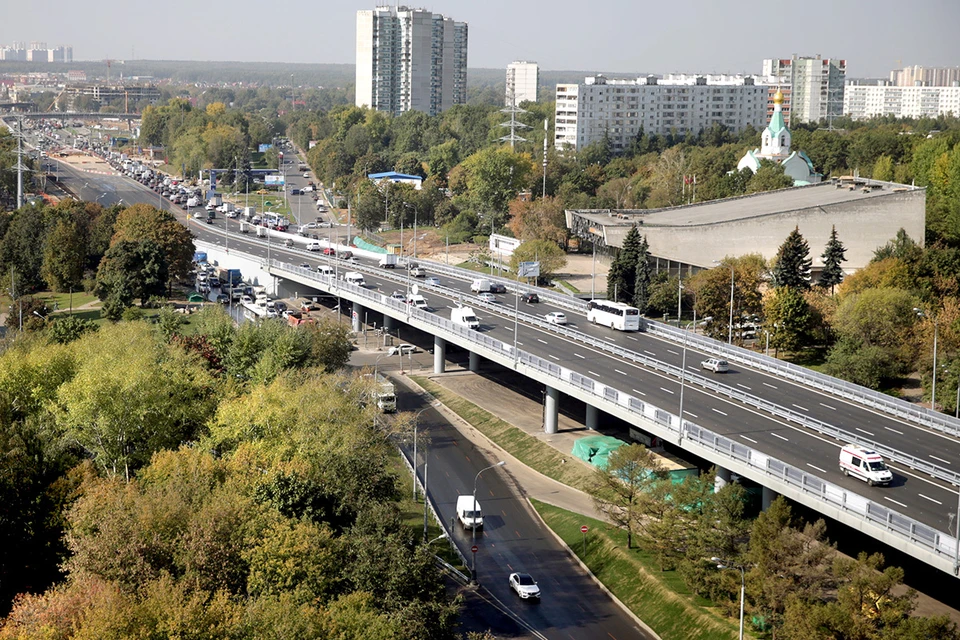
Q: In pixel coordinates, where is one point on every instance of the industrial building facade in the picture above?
(619, 110)
(410, 59)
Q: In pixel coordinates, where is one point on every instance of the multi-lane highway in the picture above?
(916, 495)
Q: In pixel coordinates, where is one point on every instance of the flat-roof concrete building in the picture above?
(523, 78)
(868, 100)
(866, 213)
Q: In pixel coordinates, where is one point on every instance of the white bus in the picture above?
(615, 315)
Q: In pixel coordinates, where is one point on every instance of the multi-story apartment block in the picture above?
(866, 100)
(410, 59)
(620, 109)
(813, 85)
(925, 76)
(523, 78)
(36, 52)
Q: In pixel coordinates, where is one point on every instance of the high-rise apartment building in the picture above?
(523, 78)
(619, 110)
(925, 76)
(36, 52)
(410, 59)
(815, 85)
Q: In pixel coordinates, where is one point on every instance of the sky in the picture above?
(622, 36)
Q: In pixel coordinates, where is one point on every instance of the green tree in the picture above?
(642, 277)
(551, 257)
(128, 271)
(493, 177)
(833, 255)
(883, 168)
(791, 267)
(622, 274)
(787, 319)
(64, 256)
(67, 328)
(143, 222)
(769, 177)
(625, 484)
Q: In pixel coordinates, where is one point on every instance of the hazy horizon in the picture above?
(694, 36)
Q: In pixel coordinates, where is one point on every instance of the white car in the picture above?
(402, 350)
(313, 246)
(716, 365)
(246, 300)
(398, 295)
(524, 586)
(556, 317)
(306, 175)
(432, 280)
(486, 296)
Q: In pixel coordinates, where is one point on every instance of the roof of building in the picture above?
(392, 175)
(617, 223)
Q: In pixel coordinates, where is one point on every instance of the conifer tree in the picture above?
(792, 268)
(622, 273)
(642, 277)
(833, 255)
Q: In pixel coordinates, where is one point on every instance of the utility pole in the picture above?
(513, 125)
(546, 130)
(20, 166)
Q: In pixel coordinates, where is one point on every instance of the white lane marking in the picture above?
(593, 373)
(863, 431)
(579, 356)
(691, 414)
(929, 498)
(640, 392)
(743, 386)
(667, 390)
(895, 502)
(623, 373)
(801, 408)
(554, 357)
(543, 341)
(894, 430)
(941, 459)
(520, 344)
(777, 435)
(828, 407)
(723, 413)
(610, 340)
(676, 353)
(817, 468)
(748, 439)
(767, 384)
(649, 353)
(631, 338)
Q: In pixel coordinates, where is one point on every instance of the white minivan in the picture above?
(353, 277)
(866, 464)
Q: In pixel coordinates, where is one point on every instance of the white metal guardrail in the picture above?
(922, 541)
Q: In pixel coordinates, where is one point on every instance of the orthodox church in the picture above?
(775, 146)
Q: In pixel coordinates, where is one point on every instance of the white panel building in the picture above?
(682, 104)
(883, 99)
(816, 85)
(523, 78)
(410, 59)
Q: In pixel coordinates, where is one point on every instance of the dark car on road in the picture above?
(497, 287)
(530, 297)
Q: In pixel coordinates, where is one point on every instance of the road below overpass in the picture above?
(912, 494)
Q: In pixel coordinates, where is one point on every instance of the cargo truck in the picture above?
(388, 261)
(229, 277)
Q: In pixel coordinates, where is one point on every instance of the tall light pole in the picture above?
(743, 590)
(730, 328)
(415, 422)
(933, 389)
(679, 299)
(473, 539)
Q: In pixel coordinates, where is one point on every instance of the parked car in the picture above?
(402, 350)
(556, 317)
(524, 586)
(716, 365)
(530, 297)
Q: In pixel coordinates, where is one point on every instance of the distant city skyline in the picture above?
(616, 36)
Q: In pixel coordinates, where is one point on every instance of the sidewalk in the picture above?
(525, 414)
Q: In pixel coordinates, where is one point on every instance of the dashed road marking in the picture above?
(863, 431)
(777, 435)
(929, 498)
(748, 439)
(723, 413)
(895, 502)
(767, 384)
(828, 407)
(667, 390)
(941, 460)
(817, 468)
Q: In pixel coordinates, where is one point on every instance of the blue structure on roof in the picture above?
(393, 176)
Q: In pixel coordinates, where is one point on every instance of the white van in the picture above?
(326, 270)
(418, 301)
(353, 277)
(865, 464)
(466, 317)
(469, 512)
(479, 285)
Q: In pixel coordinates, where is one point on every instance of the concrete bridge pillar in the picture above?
(551, 408)
(769, 495)
(474, 364)
(357, 316)
(439, 354)
(722, 479)
(593, 417)
(389, 324)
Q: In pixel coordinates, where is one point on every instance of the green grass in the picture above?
(569, 287)
(527, 449)
(659, 598)
(62, 301)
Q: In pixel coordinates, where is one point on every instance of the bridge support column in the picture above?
(389, 324)
(592, 417)
(439, 355)
(474, 364)
(722, 479)
(358, 312)
(551, 405)
(769, 495)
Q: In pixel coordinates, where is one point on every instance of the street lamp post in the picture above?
(743, 590)
(933, 386)
(730, 328)
(416, 418)
(473, 539)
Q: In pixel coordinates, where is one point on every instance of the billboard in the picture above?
(528, 270)
(263, 147)
(273, 180)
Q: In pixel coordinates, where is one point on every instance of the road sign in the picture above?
(528, 270)
(474, 548)
(584, 529)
